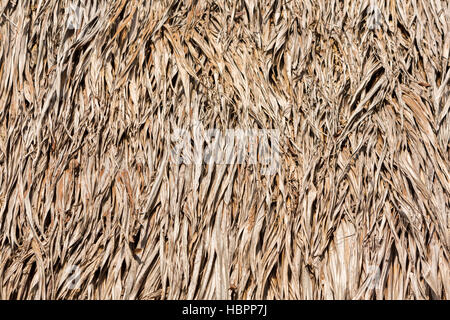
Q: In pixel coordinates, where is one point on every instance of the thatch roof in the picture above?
(92, 92)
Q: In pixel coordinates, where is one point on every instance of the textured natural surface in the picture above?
(359, 208)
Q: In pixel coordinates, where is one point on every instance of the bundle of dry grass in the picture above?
(92, 91)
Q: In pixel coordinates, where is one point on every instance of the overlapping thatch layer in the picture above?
(91, 93)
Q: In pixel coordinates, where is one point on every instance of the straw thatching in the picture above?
(92, 205)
